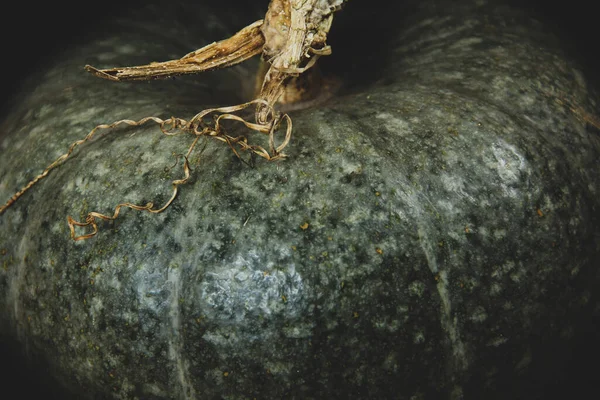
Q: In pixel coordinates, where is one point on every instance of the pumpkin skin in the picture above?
(432, 221)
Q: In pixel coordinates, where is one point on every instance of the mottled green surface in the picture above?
(426, 228)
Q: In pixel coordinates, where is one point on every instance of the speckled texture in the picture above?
(426, 230)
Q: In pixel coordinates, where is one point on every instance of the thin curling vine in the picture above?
(291, 38)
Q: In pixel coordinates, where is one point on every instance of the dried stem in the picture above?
(291, 38)
(245, 44)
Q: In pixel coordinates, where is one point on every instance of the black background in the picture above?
(33, 35)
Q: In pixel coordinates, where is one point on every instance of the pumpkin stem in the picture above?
(291, 38)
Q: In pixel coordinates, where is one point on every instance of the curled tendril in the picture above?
(171, 127)
(90, 220)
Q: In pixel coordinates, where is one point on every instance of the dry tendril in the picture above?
(291, 38)
(170, 127)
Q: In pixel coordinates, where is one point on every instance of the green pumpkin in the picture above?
(433, 218)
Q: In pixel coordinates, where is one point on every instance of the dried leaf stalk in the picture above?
(291, 38)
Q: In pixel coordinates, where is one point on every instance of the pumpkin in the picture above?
(435, 218)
